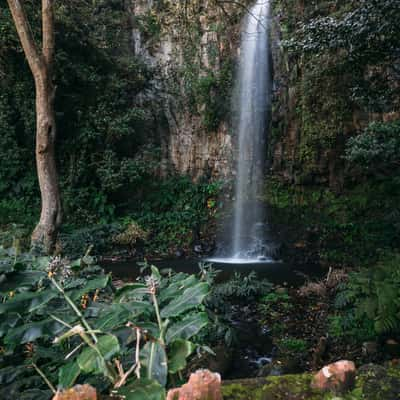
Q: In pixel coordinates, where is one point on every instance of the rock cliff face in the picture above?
(192, 47)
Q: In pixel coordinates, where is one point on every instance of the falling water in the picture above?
(251, 107)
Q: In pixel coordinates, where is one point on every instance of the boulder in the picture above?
(78, 392)
(339, 377)
(202, 385)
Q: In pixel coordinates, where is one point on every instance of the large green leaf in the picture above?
(143, 389)
(137, 307)
(68, 374)
(178, 352)
(6, 265)
(92, 285)
(9, 321)
(33, 331)
(187, 328)
(42, 262)
(116, 315)
(90, 361)
(131, 291)
(155, 273)
(9, 374)
(154, 361)
(27, 301)
(16, 281)
(113, 317)
(151, 328)
(191, 297)
(176, 288)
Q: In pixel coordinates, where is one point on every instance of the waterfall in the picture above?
(251, 109)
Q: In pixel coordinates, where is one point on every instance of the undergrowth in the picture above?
(368, 305)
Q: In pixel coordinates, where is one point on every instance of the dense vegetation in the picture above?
(95, 114)
(342, 195)
(107, 150)
(333, 193)
(65, 322)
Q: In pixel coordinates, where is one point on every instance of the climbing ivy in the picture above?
(338, 62)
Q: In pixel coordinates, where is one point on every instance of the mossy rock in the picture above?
(379, 383)
(373, 383)
(293, 387)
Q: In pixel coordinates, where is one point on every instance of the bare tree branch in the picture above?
(33, 56)
(48, 33)
(244, 6)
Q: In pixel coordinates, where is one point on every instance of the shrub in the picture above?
(64, 322)
(239, 289)
(174, 211)
(364, 218)
(369, 303)
(130, 235)
(292, 346)
(99, 238)
(376, 149)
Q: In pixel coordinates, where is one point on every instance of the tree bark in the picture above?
(41, 64)
(45, 234)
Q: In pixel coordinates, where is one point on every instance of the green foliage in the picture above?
(100, 130)
(174, 211)
(369, 303)
(376, 149)
(150, 25)
(143, 389)
(239, 289)
(292, 346)
(350, 228)
(167, 215)
(339, 62)
(277, 299)
(98, 237)
(339, 66)
(367, 32)
(242, 287)
(16, 236)
(211, 94)
(145, 327)
(131, 235)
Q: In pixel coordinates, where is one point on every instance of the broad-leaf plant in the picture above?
(63, 323)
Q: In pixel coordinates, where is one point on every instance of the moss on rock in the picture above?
(373, 383)
(378, 383)
(294, 387)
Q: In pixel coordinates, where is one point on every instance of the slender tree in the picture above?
(41, 64)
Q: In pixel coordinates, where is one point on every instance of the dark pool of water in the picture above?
(275, 272)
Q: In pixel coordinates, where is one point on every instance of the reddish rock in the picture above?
(339, 377)
(78, 392)
(202, 385)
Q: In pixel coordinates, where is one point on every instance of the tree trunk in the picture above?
(45, 234)
(41, 64)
